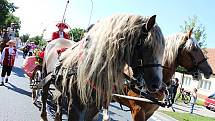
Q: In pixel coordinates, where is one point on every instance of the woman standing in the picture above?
(193, 99)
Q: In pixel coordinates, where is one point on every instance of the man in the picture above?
(174, 88)
(7, 60)
(60, 33)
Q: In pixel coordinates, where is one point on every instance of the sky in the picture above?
(37, 15)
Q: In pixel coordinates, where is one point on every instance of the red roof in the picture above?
(211, 58)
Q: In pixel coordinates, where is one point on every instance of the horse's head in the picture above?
(147, 56)
(192, 57)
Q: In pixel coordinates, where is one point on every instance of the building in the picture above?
(205, 86)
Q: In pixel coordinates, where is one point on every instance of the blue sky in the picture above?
(39, 14)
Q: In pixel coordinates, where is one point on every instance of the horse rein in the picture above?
(144, 94)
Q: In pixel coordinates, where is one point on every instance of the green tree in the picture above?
(38, 40)
(198, 29)
(13, 19)
(198, 32)
(77, 34)
(6, 9)
(24, 37)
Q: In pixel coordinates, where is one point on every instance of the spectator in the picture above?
(193, 99)
(174, 88)
(7, 60)
(31, 48)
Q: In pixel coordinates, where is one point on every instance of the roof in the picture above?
(211, 58)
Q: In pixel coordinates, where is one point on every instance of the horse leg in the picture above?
(105, 110)
(58, 114)
(73, 110)
(33, 95)
(137, 113)
(44, 100)
(91, 112)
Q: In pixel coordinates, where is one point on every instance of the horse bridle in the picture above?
(195, 65)
(139, 61)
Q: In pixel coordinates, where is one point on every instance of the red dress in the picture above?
(56, 35)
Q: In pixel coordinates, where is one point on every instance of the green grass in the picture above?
(200, 102)
(187, 116)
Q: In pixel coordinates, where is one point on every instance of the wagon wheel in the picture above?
(36, 91)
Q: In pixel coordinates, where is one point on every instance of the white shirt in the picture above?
(11, 52)
(61, 34)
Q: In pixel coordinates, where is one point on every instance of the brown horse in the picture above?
(89, 70)
(180, 50)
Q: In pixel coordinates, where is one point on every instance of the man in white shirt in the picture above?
(7, 60)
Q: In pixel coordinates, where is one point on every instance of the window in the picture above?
(204, 84)
(187, 81)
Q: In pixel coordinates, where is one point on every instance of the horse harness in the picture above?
(136, 87)
(194, 69)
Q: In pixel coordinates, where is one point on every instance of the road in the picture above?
(16, 103)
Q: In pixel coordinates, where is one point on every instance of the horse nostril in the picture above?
(211, 73)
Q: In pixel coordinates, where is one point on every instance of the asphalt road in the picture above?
(16, 103)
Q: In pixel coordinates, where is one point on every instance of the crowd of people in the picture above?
(9, 53)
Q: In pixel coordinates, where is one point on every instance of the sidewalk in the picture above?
(184, 108)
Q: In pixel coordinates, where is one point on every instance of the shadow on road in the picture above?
(18, 90)
(18, 71)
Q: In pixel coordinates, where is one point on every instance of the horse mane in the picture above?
(51, 56)
(102, 58)
(173, 43)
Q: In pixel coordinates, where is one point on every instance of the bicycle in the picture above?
(184, 96)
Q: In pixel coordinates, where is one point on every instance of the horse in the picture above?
(90, 70)
(50, 60)
(180, 50)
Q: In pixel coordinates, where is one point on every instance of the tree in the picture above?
(24, 37)
(77, 34)
(6, 9)
(198, 31)
(38, 40)
(13, 19)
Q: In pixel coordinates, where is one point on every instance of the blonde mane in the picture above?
(172, 44)
(101, 59)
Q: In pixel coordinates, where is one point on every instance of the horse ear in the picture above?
(150, 23)
(190, 33)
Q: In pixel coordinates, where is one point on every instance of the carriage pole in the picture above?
(63, 19)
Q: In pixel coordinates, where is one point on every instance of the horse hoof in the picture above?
(105, 115)
(43, 119)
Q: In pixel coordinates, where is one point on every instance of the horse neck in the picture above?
(169, 71)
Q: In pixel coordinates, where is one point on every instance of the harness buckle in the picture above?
(140, 62)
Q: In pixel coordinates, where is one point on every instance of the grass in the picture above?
(200, 102)
(187, 116)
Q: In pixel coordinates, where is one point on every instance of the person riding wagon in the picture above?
(60, 33)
